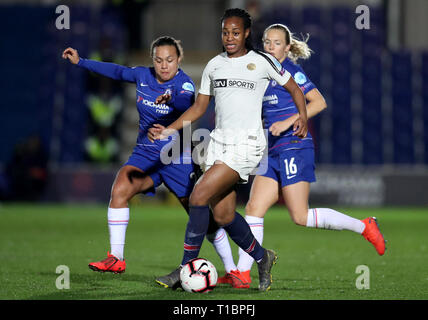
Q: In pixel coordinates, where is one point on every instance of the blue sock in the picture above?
(240, 232)
(196, 229)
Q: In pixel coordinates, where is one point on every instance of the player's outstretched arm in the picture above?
(300, 126)
(72, 55)
(195, 111)
(107, 69)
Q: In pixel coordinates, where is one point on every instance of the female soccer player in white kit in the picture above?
(287, 153)
(237, 78)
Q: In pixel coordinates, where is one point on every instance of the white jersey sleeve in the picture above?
(238, 85)
(274, 69)
(206, 83)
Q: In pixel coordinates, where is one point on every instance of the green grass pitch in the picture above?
(313, 264)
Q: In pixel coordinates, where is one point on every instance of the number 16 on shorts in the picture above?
(298, 165)
(290, 168)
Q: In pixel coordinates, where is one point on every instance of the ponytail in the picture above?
(299, 49)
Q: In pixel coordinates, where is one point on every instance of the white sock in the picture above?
(221, 244)
(256, 225)
(325, 218)
(117, 223)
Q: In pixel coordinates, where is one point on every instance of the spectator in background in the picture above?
(27, 172)
(258, 22)
(104, 103)
(131, 12)
(101, 147)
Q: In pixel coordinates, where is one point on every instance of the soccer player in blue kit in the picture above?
(146, 169)
(290, 166)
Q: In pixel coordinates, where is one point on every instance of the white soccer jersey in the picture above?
(238, 85)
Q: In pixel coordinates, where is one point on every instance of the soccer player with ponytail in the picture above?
(290, 165)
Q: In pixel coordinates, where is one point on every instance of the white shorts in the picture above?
(242, 158)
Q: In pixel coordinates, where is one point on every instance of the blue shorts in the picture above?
(290, 166)
(177, 177)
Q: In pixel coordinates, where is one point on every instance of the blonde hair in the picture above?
(299, 49)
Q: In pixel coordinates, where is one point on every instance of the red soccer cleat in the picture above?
(225, 279)
(240, 279)
(109, 264)
(373, 235)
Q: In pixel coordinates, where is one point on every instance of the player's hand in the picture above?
(300, 128)
(164, 98)
(154, 132)
(72, 55)
(280, 126)
(159, 132)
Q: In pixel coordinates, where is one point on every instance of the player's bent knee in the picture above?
(224, 214)
(118, 202)
(119, 197)
(198, 198)
(223, 220)
(252, 209)
(299, 218)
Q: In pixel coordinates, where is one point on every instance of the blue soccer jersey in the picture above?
(181, 87)
(278, 105)
(147, 155)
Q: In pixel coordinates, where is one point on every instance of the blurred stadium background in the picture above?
(64, 132)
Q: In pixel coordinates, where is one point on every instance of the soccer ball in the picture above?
(198, 275)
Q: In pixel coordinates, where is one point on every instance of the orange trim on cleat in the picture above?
(109, 264)
(373, 235)
(240, 279)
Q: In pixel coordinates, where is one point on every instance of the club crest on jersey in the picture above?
(251, 66)
(188, 87)
(300, 78)
(234, 83)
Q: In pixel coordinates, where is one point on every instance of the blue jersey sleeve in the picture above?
(110, 70)
(302, 80)
(184, 96)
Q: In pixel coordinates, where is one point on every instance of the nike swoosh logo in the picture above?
(290, 177)
(192, 234)
(143, 85)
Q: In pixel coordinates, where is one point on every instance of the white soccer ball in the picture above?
(198, 275)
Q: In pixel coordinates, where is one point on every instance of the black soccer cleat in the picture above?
(264, 266)
(171, 280)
